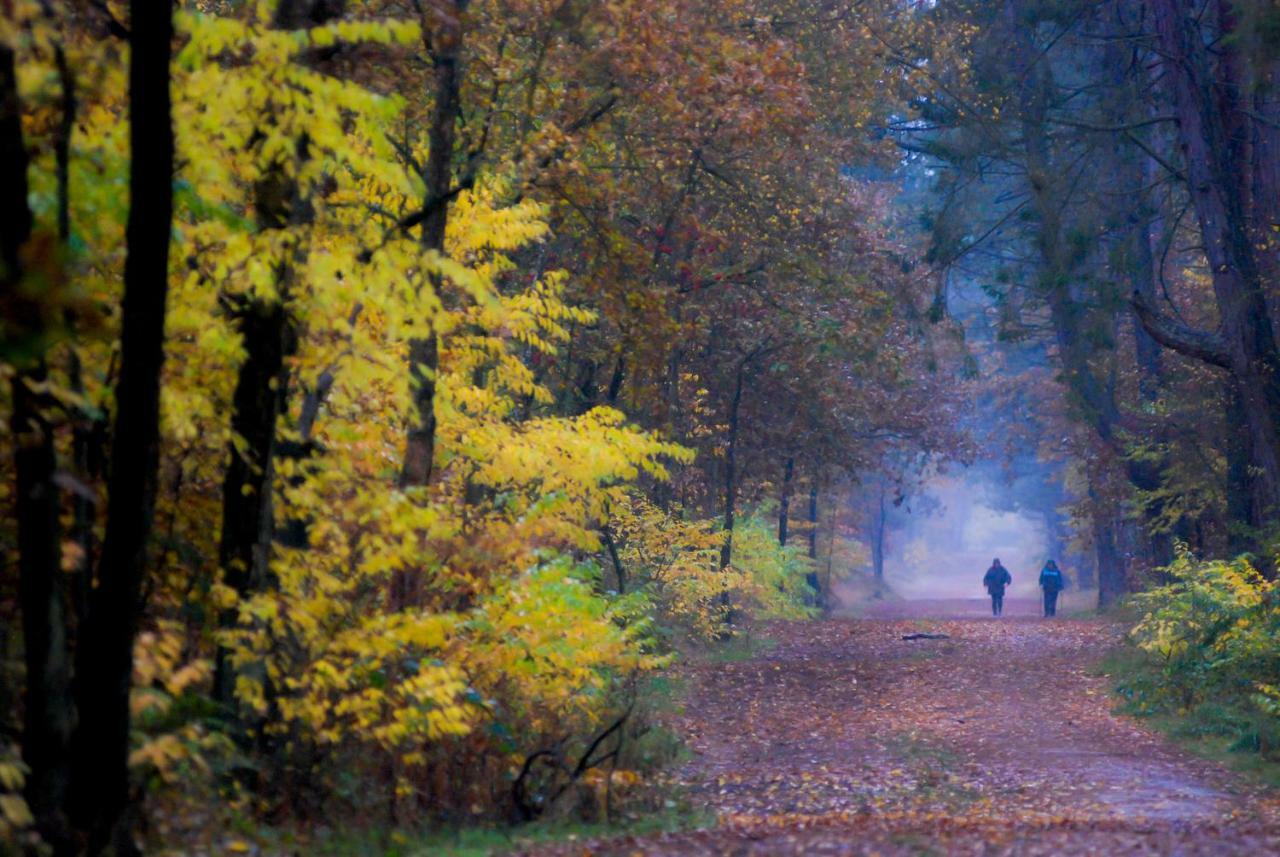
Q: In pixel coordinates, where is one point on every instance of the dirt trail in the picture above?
(845, 739)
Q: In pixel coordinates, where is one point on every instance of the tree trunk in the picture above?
(16, 224)
(813, 518)
(877, 538)
(615, 381)
(268, 334)
(1136, 174)
(1075, 328)
(1112, 582)
(104, 666)
(245, 542)
(47, 708)
(784, 504)
(1243, 510)
(730, 468)
(1218, 172)
(445, 47)
(812, 576)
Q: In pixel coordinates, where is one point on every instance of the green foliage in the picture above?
(1208, 651)
(779, 574)
(675, 564)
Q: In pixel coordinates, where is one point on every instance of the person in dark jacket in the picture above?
(996, 579)
(1052, 582)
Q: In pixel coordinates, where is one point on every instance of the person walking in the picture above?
(995, 580)
(1052, 582)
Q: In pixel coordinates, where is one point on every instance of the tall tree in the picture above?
(1232, 186)
(102, 795)
(48, 711)
(443, 31)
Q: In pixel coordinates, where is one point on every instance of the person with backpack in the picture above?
(1052, 582)
(995, 580)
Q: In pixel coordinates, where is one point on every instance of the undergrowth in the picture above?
(1202, 662)
(470, 841)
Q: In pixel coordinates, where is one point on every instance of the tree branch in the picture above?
(1182, 338)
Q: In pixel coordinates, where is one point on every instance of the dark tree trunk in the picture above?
(445, 48)
(784, 503)
(584, 389)
(104, 666)
(615, 381)
(296, 532)
(88, 445)
(1242, 506)
(15, 226)
(1218, 171)
(48, 709)
(812, 576)
(1112, 582)
(245, 542)
(612, 546)
(48, 712)
(1075, 328)
(813, 518)
(1147, 476)
(731, 468)
(88, 433)
(268, 333)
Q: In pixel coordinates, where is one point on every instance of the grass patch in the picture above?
(473, 841)
(483, 843)
(737, 649)
(1225, 731)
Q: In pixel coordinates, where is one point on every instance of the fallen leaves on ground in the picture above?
(846, 739)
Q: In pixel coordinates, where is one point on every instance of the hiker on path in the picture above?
(996, 579)
(1052, 582)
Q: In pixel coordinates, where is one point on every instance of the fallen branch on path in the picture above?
(925, 637)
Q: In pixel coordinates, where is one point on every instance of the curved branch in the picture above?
(1182, 338)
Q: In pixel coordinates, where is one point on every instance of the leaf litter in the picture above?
(992, 738)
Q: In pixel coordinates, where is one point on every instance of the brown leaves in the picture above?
(846, 739)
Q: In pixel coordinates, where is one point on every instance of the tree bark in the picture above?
(730, 467)
(47, 707)
(1218, 170)
(1147, 352)
(1242, 507)
(16, 225)
(784, 503)
(813, 518)
(102, 795)
(48, 710)
(812, 576)
(1112, 582)
(245, 541)
(1069, 308)
(615, 381)
(268, 333)
(445, 47)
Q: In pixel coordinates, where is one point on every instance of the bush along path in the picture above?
(999, 738)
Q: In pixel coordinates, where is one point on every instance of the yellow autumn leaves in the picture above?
(397, 631)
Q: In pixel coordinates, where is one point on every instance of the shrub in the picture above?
(1210, 637)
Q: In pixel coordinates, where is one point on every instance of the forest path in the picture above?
(843, 738)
